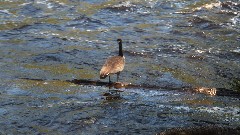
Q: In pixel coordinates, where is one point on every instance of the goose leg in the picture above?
(118, 76)
(109, 80)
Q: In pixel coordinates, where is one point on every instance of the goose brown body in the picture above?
(114, 64)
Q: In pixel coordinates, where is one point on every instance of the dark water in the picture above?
(170, 44)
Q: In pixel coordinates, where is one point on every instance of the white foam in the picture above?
(186, 108)
(236, 50)
(125, 4)
(221, 110)
(200, 51)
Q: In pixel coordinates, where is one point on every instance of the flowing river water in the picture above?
(168, 44)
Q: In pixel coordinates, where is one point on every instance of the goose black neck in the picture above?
(120, 49)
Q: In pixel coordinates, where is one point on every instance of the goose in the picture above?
(114, 64)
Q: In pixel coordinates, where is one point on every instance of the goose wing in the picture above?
(112, 65)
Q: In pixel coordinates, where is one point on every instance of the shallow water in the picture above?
(168, 44)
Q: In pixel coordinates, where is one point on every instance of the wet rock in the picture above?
(198, 20)
(139, 30)
(85, 23)
(196, 57)
(201, 34)
(202, 130)
(213, 91)
(119, 85)
(112, 95)
(85, 19)
(226, 92)
(141, 54)
(230, 8)
(205, 90)
(64, 39)
(155, 73)
(124, 6)
(90, 120)
(230, 5)
(236, 84)
(107, 94)
(203, 23)
(47, 57)
(72, 52)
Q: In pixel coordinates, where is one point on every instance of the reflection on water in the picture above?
(167, 44)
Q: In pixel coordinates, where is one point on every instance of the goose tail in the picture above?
(103, 76)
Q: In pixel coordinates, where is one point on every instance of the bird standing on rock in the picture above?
(114, 64)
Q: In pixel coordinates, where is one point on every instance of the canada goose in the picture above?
(114, 64)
